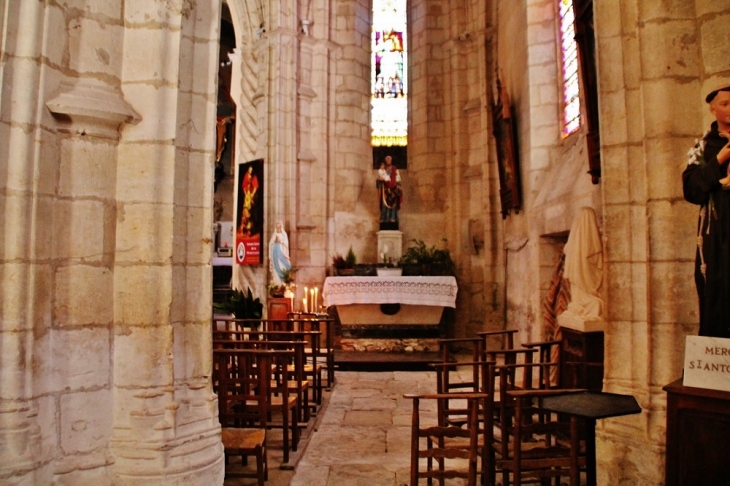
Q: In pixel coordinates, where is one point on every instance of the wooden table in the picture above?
(590, 406)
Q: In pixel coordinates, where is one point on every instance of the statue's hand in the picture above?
(724, 154)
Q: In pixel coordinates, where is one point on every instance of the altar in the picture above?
(390, 313)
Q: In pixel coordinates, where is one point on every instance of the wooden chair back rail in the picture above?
(312, 364)
(548, 351)
(297, 384)
(310, 337)
(232, 323)
(508, 376)
(507, 335)
(312, 348)
(480, 376)
(510, 356)
(294, 321)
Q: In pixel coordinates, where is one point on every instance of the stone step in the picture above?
(384, 361)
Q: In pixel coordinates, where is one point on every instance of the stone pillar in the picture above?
(650, 68)
(165, 427)
(26, 200)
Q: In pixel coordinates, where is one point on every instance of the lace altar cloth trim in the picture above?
(435, 291)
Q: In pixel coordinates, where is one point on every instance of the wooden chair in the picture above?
(293, 340)
(276, 395)
(537, 453)
(297, 383)
(455, 411)
(236, 380)
(445, 442)
(326, 325)
(308, 330)
(503, 381)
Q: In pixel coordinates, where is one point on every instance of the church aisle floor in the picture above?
(360, 438)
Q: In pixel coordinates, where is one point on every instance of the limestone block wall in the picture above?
(553, 168)
(662, 58)
(105, 197)
(353, 203)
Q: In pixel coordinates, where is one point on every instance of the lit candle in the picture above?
(290, 295)
(314, 301)
(305, 299)
(315, 305)
(304, 304)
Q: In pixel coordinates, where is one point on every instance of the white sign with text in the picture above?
(707, 363)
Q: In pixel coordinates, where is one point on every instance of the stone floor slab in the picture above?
(368, 418)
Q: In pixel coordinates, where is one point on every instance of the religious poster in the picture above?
(250, 212)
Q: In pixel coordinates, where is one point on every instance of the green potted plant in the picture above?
(242, 305)
(419, 259)
(344, 266)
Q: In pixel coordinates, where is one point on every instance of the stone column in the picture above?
(650, 77)
(165, 429)
(24, 253)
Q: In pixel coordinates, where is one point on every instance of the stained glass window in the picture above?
(389, 74)
(571, 87)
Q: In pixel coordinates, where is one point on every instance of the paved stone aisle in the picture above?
(363, 438)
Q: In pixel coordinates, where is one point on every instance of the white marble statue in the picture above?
(279, 262)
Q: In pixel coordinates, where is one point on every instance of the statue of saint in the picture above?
(706, 183)
(279, 262)
(389, 191)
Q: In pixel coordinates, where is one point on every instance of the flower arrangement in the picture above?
(346, 264)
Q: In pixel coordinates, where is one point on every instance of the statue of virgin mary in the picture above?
(279, 262)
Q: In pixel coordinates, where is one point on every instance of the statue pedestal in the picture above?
(390, 244)
(581, 323)
(581, 354)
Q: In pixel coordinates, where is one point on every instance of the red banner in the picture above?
(250, 212)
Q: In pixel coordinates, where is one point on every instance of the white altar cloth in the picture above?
(431, 291)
